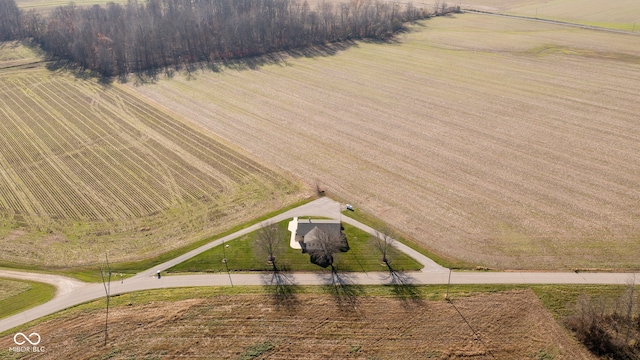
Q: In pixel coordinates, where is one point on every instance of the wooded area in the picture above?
(10, 20)
(118, 39)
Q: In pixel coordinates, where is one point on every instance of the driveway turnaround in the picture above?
(72, 292)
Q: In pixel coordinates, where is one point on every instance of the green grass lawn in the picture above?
(241, 256)
(561, 299)
(23, 295)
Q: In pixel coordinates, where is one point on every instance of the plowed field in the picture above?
(512, 325)
(503, 142)
(86, 168)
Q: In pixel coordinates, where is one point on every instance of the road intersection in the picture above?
(72, 292)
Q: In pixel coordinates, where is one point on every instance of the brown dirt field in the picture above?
(501, 142)
(511, 325)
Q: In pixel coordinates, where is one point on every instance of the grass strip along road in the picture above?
(72, 292)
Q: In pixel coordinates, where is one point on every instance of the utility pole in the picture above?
(224, 260)
(107, 290)
(448, 283)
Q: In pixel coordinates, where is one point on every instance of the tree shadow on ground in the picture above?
(282, 289)
(321, 50)
(476, 335)
(343, 288)
(404, 288)
(79, 72)
(191, 69)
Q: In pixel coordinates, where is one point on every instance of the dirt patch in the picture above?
(511, 325)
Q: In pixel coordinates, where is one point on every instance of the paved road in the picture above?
(323, 207)
(64, 285)
(72, 292)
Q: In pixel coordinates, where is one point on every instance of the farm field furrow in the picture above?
(509, 325)
(143, 158)
(99, 131)
(487, 139)
(88, 168)
(42, 130)
(234, 174)
(97, 157)
(53, 139)
(196, 142)
(128, 156)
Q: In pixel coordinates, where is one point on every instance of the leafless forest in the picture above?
(134, 37)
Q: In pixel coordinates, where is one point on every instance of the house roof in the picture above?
(307, 229)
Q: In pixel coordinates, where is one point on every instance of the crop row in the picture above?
(38, 178)
(202, 146)
(106, 148)
(153, 148)
(9, 200)
(27, 162)
(190, 177)
(33, 119)
(55, 142)
(55, 178)
(100, 129)
(77, 151)
(234, 173)
(115, 116)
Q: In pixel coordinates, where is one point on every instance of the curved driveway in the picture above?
(72, 292)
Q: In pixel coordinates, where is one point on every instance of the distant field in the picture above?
(45, 6)
(619, 14)
(509, 325)
(502, 142)
(87, 168)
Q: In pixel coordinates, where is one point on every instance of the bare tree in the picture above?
(324, 244)
(444, 9)
(630, 303)
(269, 242)
(10, 20)
(383, 242)
(600, 325)
(145, 35)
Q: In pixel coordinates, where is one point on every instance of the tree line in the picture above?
(137, 36)
(609, 326)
